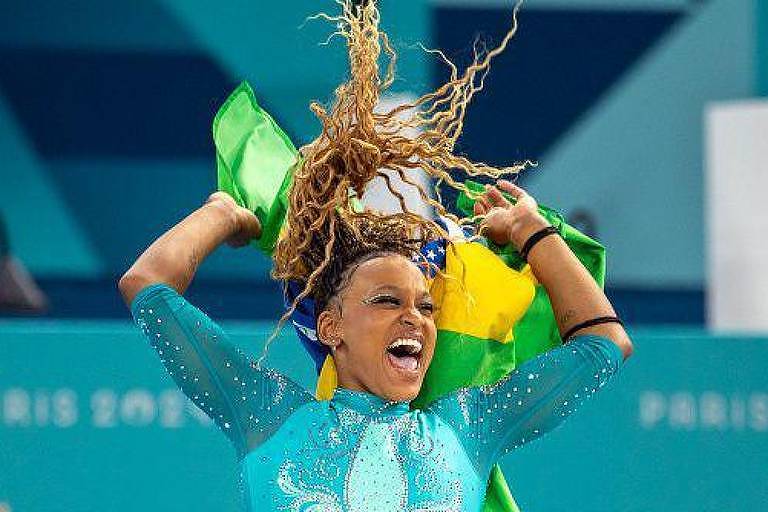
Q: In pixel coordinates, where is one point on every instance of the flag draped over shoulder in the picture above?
(537, 331)
(492, 314)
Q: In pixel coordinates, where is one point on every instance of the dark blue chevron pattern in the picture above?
(560, 63)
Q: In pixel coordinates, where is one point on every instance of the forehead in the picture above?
(392, 271)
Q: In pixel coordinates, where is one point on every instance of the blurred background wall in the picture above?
(105, 134)
(105, 112)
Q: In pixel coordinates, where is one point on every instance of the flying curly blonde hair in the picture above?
(358, 144)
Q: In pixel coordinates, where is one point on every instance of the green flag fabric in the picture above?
(255, 161)
(537, 331)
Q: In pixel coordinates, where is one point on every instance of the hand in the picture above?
(245, 225)
(506, 222)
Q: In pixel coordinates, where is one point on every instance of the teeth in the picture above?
(415, 345)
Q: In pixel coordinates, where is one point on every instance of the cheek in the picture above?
(431, 333)
(431, 329)
(365, 333)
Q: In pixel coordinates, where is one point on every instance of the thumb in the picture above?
(250, 226)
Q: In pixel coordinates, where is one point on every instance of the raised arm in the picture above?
(574, 294)
(533, 399)
(246, 402)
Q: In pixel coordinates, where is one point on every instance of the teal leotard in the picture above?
(358, 452)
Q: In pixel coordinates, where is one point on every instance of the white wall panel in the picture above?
(736, 213)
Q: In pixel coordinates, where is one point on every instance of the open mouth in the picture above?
(405, 354)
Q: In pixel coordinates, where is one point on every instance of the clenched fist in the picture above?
(245, 224)
(505, 221)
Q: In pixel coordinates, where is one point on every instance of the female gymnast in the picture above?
(365, 449)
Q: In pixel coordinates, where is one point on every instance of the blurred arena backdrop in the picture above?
(649, 122)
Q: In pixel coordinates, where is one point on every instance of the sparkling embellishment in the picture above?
(359, 452)
(376, 475)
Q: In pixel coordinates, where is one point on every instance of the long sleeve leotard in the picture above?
(358, 452)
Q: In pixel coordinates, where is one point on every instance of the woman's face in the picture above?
(384, 333)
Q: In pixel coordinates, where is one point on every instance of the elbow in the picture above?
(616, 334)
(130, 284)
(620, 338)
(625, 344)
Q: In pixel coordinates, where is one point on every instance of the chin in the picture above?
(402, 385)
(402, 394)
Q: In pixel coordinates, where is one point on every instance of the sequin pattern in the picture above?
(531, 400)
(248, 403)
(358, 452)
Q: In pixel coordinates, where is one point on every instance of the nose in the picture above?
(411, 316)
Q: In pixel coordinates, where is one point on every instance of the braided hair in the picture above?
(323, 233)
(357, 239)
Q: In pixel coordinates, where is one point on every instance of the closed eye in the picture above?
(384, 299)
(428, 307)
(425, 307)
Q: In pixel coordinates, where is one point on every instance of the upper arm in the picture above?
(246, 402)
(532, 400)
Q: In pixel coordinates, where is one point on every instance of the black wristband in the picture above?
(536, 238)
(590, 323)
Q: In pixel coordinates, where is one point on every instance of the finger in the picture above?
(483, 200)
(495, 197)
(479, 209)
(512, 189)
(530, 201)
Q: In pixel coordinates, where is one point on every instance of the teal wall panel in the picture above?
(761, 55)
(280, 51)
(143, 25)
(41, 229)
(89, 422)
(683, 428)
(166, 190)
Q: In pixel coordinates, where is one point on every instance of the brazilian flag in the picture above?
(492, 313)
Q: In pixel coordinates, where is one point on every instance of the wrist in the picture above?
(535, 238)
(521, 231)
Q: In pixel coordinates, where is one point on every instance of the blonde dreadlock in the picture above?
(357, 144)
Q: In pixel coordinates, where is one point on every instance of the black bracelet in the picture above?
(590, 323)
(536, 238)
